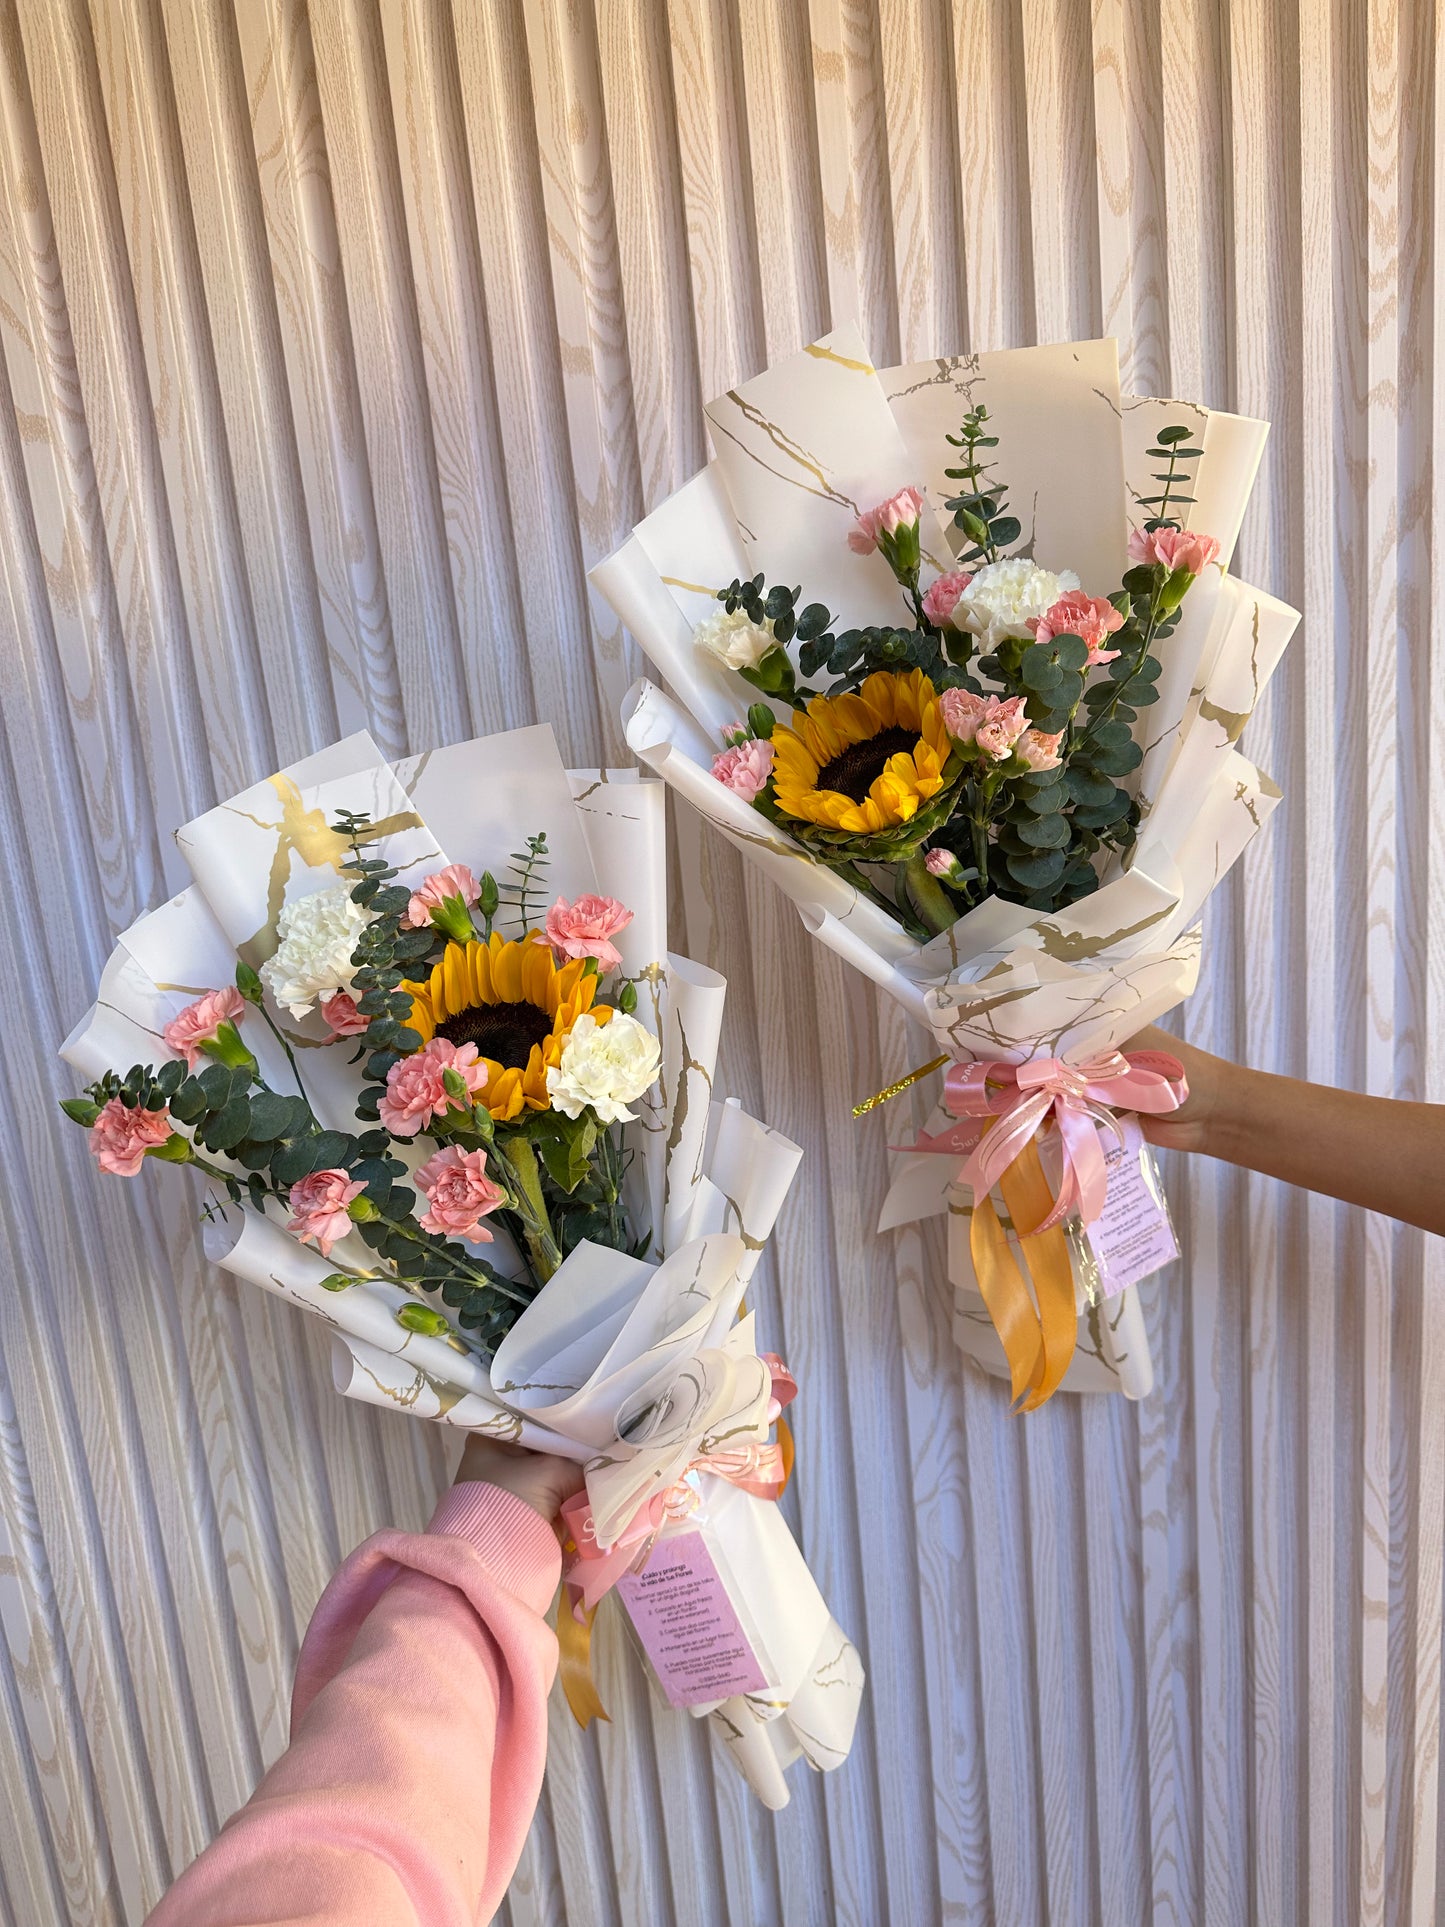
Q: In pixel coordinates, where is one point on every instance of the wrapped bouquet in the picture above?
(465, 1115)
(989, 750)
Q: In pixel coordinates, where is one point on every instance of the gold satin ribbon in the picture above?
(574, 1663)
(1038, 1330)
(574, 1635)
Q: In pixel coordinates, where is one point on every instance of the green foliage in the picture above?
(1172, 449)
(565, 1146)
(525, 894)
(980, 508)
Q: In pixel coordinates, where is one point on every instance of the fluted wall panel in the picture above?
(338, 338)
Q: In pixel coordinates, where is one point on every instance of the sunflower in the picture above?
(514, 1003)
(867, 763)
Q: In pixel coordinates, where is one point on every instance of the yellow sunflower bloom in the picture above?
(866, 762)
(513, 1002)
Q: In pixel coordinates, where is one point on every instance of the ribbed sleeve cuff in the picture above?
(518, 1545)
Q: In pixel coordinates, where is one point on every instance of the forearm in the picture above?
(1384, 1154)
(418, 1736)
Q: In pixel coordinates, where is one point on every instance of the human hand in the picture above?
(538, 1477)
(1189, 1128)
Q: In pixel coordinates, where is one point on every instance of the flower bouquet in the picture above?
(993, 763)
(465, 1116)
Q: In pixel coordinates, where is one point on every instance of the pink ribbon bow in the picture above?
(591, 1570)
(1081, 1099)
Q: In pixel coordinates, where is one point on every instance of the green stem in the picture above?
(979, 828)
(279, 1035)
(213, 1171)
(1105, 711)
(487, 1278)
(930, 898)
(529, 1205)
(852, 874)
(612, 1177)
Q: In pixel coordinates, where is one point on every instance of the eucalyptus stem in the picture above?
(280, 1037)
(486, 1278)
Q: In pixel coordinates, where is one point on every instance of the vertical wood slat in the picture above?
(337, 342)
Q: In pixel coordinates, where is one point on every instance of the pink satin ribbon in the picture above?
(1082, 1100)
(590, 1571)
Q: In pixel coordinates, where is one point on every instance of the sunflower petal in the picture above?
(507, 974)
(539, 974)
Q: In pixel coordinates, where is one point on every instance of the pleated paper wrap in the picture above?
(707, 1179)
(800, 451)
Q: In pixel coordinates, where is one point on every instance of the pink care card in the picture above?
(687, 1624)
(1132, 1237)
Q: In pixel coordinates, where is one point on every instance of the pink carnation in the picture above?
(990, 722)
(745, 768)
(1175, 548)
(1001, 727)
(940, 863)
(416, 1089)
(942, 597)
(456, 880)
(962, 712)
(1040, 749)
(123, 1133)
(318, 1208)
(1091, 618)
(339, 1010)
(459, 1193)
(198, 1023)
(586, 928)
(890, 516)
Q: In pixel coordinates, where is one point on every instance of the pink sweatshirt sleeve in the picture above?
(418, 1737)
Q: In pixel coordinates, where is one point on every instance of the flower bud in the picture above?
(627, 998)
(248, 983)
(488, 896)
(761, 720)
(944, 865)
(362, 1210)
(423, 1318)
(338, 1281)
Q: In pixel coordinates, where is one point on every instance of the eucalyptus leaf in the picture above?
(1044, 832)
(1037, 871)
(229, 1125)
(271, 1116)
(1038, 670)
(1086, 788)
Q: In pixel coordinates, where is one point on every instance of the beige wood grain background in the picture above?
(338, 338)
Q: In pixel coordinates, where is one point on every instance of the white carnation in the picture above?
(606, 1066)
(318, 934)
(1007, 598)
(735, 640)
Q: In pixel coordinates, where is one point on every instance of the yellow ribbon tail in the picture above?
(786, 1447)
(574, 1666)
(1038, 1338)
(1006, 1297)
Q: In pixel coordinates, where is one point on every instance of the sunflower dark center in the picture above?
(503, 1032)
(855, 772)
